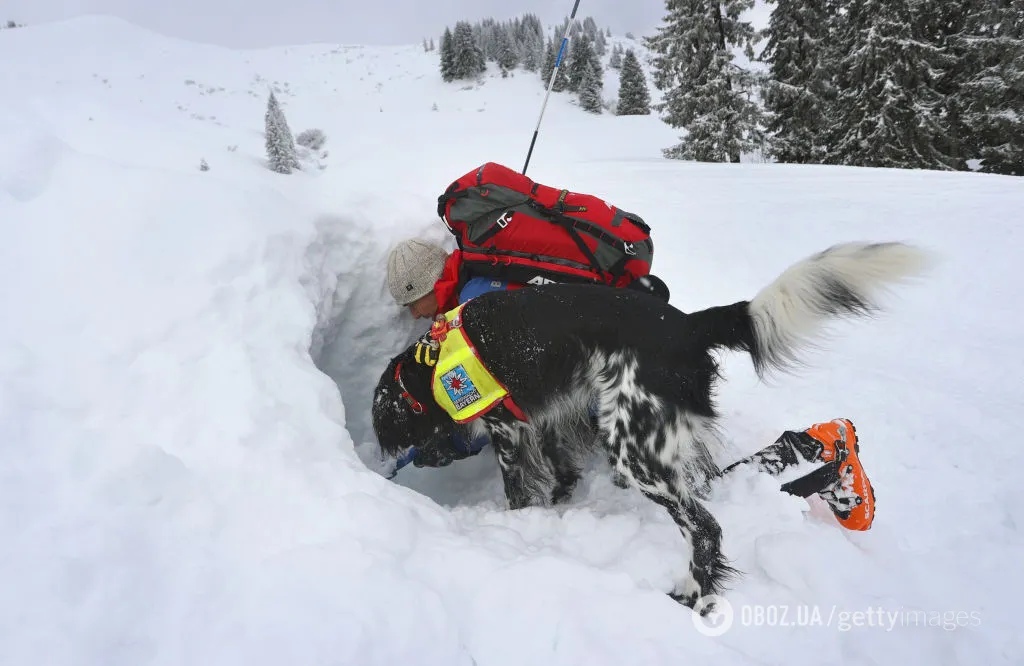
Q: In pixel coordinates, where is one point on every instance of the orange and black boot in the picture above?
(840, 481)
(845, 485)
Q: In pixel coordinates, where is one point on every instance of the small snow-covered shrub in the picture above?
(314, 139)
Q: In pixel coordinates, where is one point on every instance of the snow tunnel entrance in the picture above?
(359, 329)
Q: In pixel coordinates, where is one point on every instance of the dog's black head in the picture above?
(405, 413)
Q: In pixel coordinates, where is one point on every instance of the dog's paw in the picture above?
(687, 600)
(686, 592)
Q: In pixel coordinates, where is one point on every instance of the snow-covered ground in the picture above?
(187, 471)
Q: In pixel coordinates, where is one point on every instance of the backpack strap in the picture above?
(566, 223)
(449, 194)
(571, 224)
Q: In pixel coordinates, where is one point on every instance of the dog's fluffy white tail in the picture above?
(845, 280)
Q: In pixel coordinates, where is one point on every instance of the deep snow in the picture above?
(187, 472)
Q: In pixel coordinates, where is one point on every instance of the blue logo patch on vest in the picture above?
(459, 387)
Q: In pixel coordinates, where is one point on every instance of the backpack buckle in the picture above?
(505, 219)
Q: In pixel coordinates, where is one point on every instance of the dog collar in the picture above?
(414, 404)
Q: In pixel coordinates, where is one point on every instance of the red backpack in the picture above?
(512, 228)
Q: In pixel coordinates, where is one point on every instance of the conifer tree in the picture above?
(583, 59)
(634, 98)
(888, 112)
(530, 38)
(706, 93)
(505, 52)
(483, 35)
(280, 144)
(468, 57)
(795, 94)
(591, 87)
(447, 56)
(942, 23)
(615, 61)
(531, 53)
(992, 93)
(578, 62)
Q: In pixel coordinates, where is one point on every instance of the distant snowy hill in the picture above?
(187, 469)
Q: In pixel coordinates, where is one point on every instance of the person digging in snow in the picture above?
(429, 281)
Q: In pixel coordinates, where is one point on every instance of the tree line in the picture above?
(934, 84)
(523, 42)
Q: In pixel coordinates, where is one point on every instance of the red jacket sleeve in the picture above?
(447, 285)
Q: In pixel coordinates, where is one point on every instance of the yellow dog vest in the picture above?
(462, 385)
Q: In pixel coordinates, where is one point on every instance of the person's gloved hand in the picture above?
(434, 456)
(442, 455)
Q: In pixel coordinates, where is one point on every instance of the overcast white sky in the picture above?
(258, 23)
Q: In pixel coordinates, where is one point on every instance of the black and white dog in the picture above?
(625, 374)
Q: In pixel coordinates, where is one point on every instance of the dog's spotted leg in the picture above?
(618, 478)
(564, 445)
(566, 478)
(660, 451)
(708, 571)
(527, 473)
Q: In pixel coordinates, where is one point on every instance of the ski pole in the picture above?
(551, 82)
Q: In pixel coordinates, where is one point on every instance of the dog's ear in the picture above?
(400, 422)
(390, 412)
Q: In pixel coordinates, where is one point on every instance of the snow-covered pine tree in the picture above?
(634, 98)
(582, 60)
(992, 93)
(576, 62)
(507, 57)
(795, 94)
(447, 56)
(483, 34)
(615, 61)
(888, 112)
(432, 45)
(706, 93)
(591, 87)
(533, 23)
(531, 52)
(280, 144)
(942, 24)
(533, 39)
(468, 58)
(600, 44)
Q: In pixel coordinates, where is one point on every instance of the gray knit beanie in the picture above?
(413, 268)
